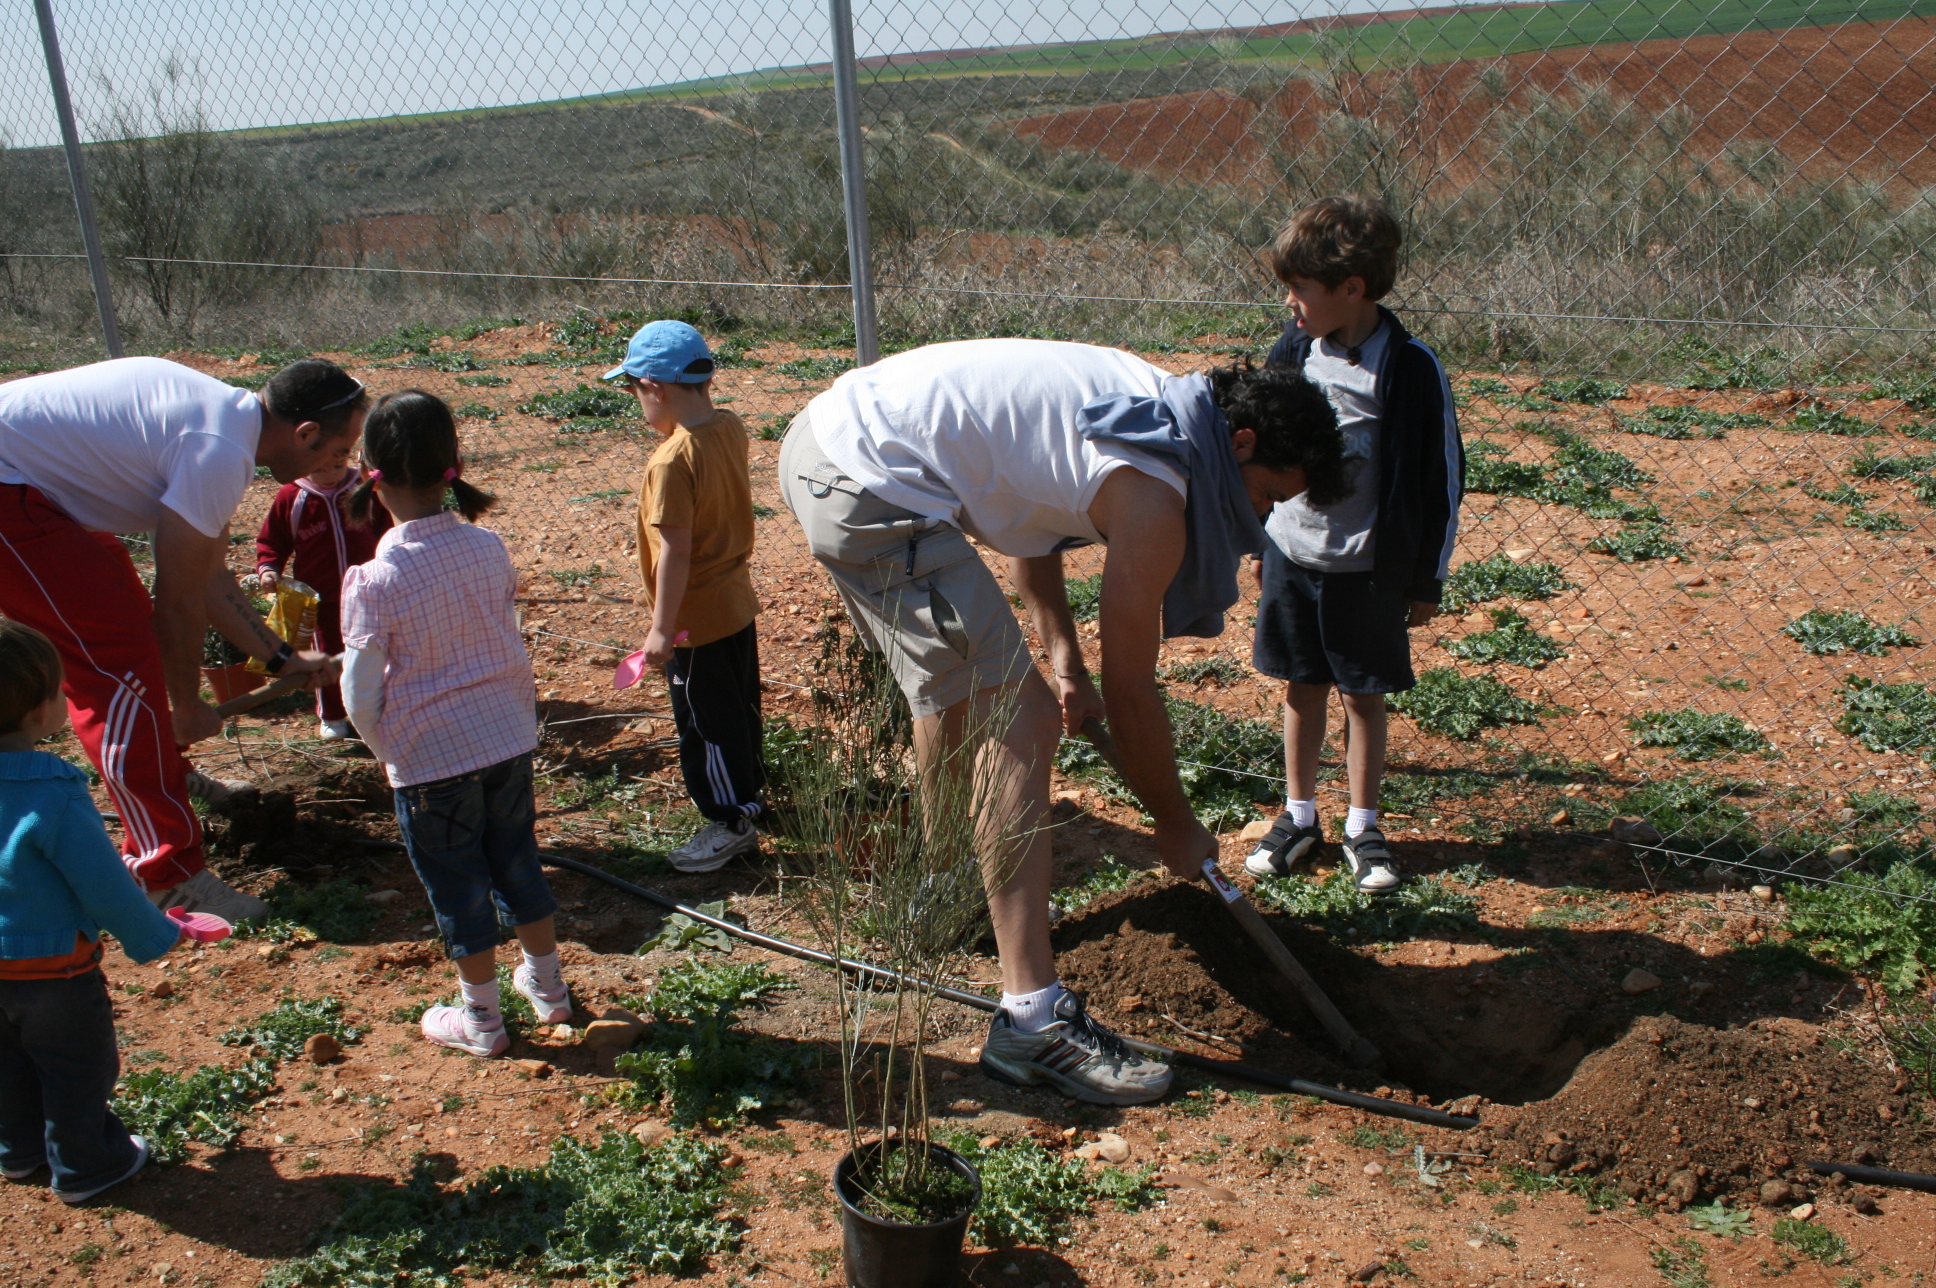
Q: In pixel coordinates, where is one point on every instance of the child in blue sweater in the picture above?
(61, 884)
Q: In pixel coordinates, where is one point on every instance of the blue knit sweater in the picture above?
(59, 873)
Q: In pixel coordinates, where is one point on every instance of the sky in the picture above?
(266, 62)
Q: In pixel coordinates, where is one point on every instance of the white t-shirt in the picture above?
(1338, 538)
(114, 442)
(982, 434)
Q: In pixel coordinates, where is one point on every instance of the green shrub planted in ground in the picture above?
(1085, 597)
(1888, 717)
(207, 1106)
(1821, 420)
(1823, 630)
(1881, 925)
(1421, 905)
(694, 1061)
(1499, 577)
(1459, 706)
(1695, 735)
(1689, 422)
(1638, 542)
(605, 1213)
(335, 912)
(1029, 1195)
(1579, 475)
(1585, 391)
(1512, 640)
(281, 1033)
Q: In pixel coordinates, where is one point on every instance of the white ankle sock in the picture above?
(545, 970)
(1033, 1012)
(1357, 820)
(481, 1004)
(1303, 813)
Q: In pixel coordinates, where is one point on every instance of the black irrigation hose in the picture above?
(1228, 1068)
(1877, 1176)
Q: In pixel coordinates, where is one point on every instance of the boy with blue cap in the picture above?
(695, 538)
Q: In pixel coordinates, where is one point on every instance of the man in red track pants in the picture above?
(142, 445)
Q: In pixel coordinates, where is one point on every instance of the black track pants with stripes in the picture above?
(716, 703)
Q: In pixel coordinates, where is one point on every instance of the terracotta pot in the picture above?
(232, 681)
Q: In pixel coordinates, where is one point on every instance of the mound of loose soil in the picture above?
(1674, 1112)
(310, 823)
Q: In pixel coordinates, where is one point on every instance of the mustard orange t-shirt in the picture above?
(698, 479)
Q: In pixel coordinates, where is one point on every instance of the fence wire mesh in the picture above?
(1677, 256)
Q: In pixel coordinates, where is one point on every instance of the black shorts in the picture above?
(1330, 628)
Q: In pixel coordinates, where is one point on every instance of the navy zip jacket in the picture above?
(1421, 462)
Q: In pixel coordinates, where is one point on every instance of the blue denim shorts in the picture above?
(474, 843)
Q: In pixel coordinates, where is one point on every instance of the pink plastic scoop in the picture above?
(633, 666)
(204, 927)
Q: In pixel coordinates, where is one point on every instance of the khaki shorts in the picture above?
(914, 587)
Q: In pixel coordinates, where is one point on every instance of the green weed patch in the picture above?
(1696, 735)
(1639, 542)
(1823, 631)
(1336, 903)
(476, 411)
(1918, 389)
(1458, 706)
(1579, 476)
(1227, 764)
(1198, 669)
(1512, 640)
(1882, 925)
(694, 1061)
(815, 368)
(1688, 422)
(1107, 877)
(1821, 420)
(1842, 494)
(1585, 391)
(585, 408)
(1888, 717)
(1885, 809)
(605, 1213)
(1416, 793)
(335, 912)
(1811, 1240)
(1029, 1195)
(1085, 597)
(1481, 580)
(1692, 810)
(1871, 466)
(1682, 1264)
(280, 1033)
(206, 1106)
(1874, 521)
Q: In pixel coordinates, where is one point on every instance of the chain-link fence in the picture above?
(1677, 257)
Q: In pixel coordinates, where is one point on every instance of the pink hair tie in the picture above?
(450, 474)
(375, 475)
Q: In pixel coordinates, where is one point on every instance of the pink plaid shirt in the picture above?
(458, 693)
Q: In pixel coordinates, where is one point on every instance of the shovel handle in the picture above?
(245, 702)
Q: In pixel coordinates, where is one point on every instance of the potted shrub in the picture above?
(225, 668)
(884, 860)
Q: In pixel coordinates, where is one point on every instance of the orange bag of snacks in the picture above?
(292, 616)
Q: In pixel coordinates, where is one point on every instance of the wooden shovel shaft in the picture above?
(1357, 1050)
(245, 702)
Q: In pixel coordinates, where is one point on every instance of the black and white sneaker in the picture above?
(1075, 1055)
(1372, 866)
(1283, 847)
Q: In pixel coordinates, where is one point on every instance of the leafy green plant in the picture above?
(1917, 388)
(1579, 475)
(1417, 792)
(1691, 809)
(1198, 669)
(694, 1061)
(1029, 1195)
(1682, 1264)
(1638, 542)
(1085, 597)
(484, 382)
(605, 1213)
(336, 912)
(1228, 764)
(1842, 494)
(1106, 877)
(1720, 1219)
(825, 368)
(1486, 386)
(1688, 422)
(1821, 420)
(1885, 809)
(444, 360)
(1365, 1136)
(1421, 905)
(1888, 717)
(1695, 735)
(411, 337)
(679, 932)
(1498, 577)
(1822, 631)
(207, 1105)
(1882, 925)
(477, 411)
(1812, 1240)
(1583, 390)
(1874, 521)
(578, 578)
(584, 408)
(1457, 706)
(280, 1033)
(1869, 465)
(1512, 640)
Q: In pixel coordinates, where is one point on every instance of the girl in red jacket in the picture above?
(306, 520)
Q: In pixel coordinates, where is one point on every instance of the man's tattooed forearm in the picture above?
(269, 640)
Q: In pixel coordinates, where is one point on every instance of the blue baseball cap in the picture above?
(669, 351)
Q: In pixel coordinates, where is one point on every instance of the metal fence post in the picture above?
(853, 180)
(97, 265)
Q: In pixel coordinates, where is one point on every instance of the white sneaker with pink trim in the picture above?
(553, 1005)
(452, 1026)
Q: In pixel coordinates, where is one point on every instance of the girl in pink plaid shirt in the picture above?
(437, 681)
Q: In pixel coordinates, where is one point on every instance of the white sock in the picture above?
(1303, 813)
(1357, 820)
(481, 1004)
(1033, 1012)
(544, 970)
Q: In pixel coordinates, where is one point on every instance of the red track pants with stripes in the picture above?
(80, 589)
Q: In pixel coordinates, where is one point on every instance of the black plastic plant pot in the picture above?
(891, 1254)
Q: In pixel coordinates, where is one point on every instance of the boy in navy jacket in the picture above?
(1342, 584)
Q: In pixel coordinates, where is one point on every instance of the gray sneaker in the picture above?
(206, 892)
(1076, 1056)
(1372, 866)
